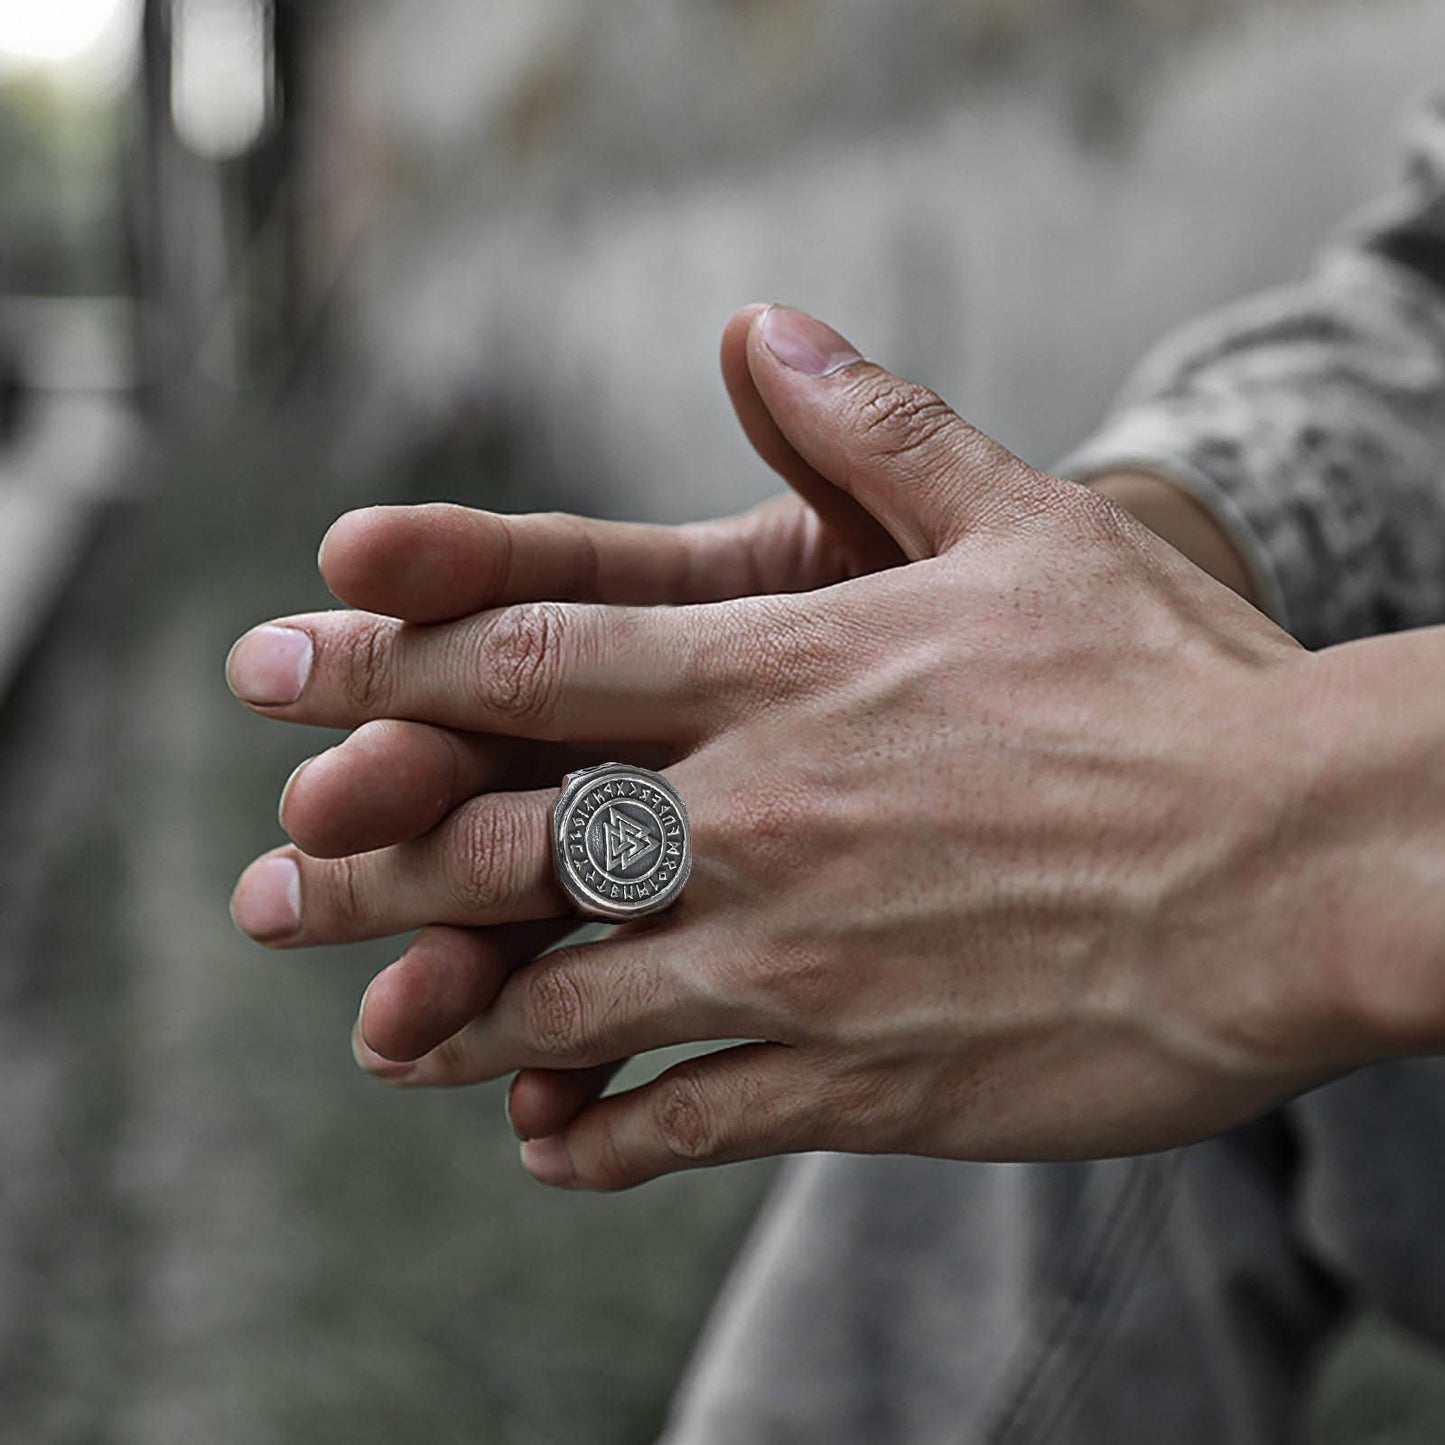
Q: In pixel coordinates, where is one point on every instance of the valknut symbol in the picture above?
(627, 841)
(620, 841)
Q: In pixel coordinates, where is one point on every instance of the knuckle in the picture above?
(873, 1103)
(854, 1092)
(347, 896)
(610, 1166)
(584, 557)
(448, 1061)
(520, 663)
(487, 847)
(768, 824)
(799, 652)
(804, 981)
(901, 420)
(1097, 517)
(1050, 506)
(781, 649)
(763, 826)
(637, 994)
(686, 1119)
(555, 1014)
(368, 663)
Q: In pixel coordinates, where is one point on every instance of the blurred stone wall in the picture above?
(1007, 200)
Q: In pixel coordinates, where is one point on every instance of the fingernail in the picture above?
(358, 1036)
(803, 344)
(267, 901)
(269, 666)
(321, 548)
(511, 1122)
(389, 1071)
(361, 1027)
(547, 1161)
(290, 783)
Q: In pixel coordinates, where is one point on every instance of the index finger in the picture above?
(438, 561)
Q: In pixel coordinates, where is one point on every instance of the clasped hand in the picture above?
(984, 849)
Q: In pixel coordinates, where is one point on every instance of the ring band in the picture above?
(621, 841)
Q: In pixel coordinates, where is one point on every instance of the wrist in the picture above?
(1370, 764)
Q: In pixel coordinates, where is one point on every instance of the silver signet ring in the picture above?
(621, 841)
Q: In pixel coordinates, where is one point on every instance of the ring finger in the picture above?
(392, 781)
(490, 861)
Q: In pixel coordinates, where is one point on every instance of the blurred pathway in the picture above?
(213, 1228)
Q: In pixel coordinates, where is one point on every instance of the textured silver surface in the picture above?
(620, 835)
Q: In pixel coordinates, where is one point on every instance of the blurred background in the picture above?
(265, 260)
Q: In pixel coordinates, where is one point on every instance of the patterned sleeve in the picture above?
(1310, 420)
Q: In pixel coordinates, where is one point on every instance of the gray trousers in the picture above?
(1181, 1296)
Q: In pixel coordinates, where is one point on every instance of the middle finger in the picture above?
(544, 670)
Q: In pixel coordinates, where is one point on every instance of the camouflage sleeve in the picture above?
(1310, 420)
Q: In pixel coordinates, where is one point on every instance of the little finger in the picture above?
(545, 1101)
(743, 1102)
(588, 1005)
(446, 977)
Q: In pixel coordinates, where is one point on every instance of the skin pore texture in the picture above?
(1017, 834)
(1171, 513)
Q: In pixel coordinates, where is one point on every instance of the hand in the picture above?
(987, 845)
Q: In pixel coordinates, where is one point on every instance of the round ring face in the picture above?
(621, 840)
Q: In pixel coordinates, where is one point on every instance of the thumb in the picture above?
(895, 447)
(865, 541)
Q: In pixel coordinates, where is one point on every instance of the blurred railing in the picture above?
(68, 430)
